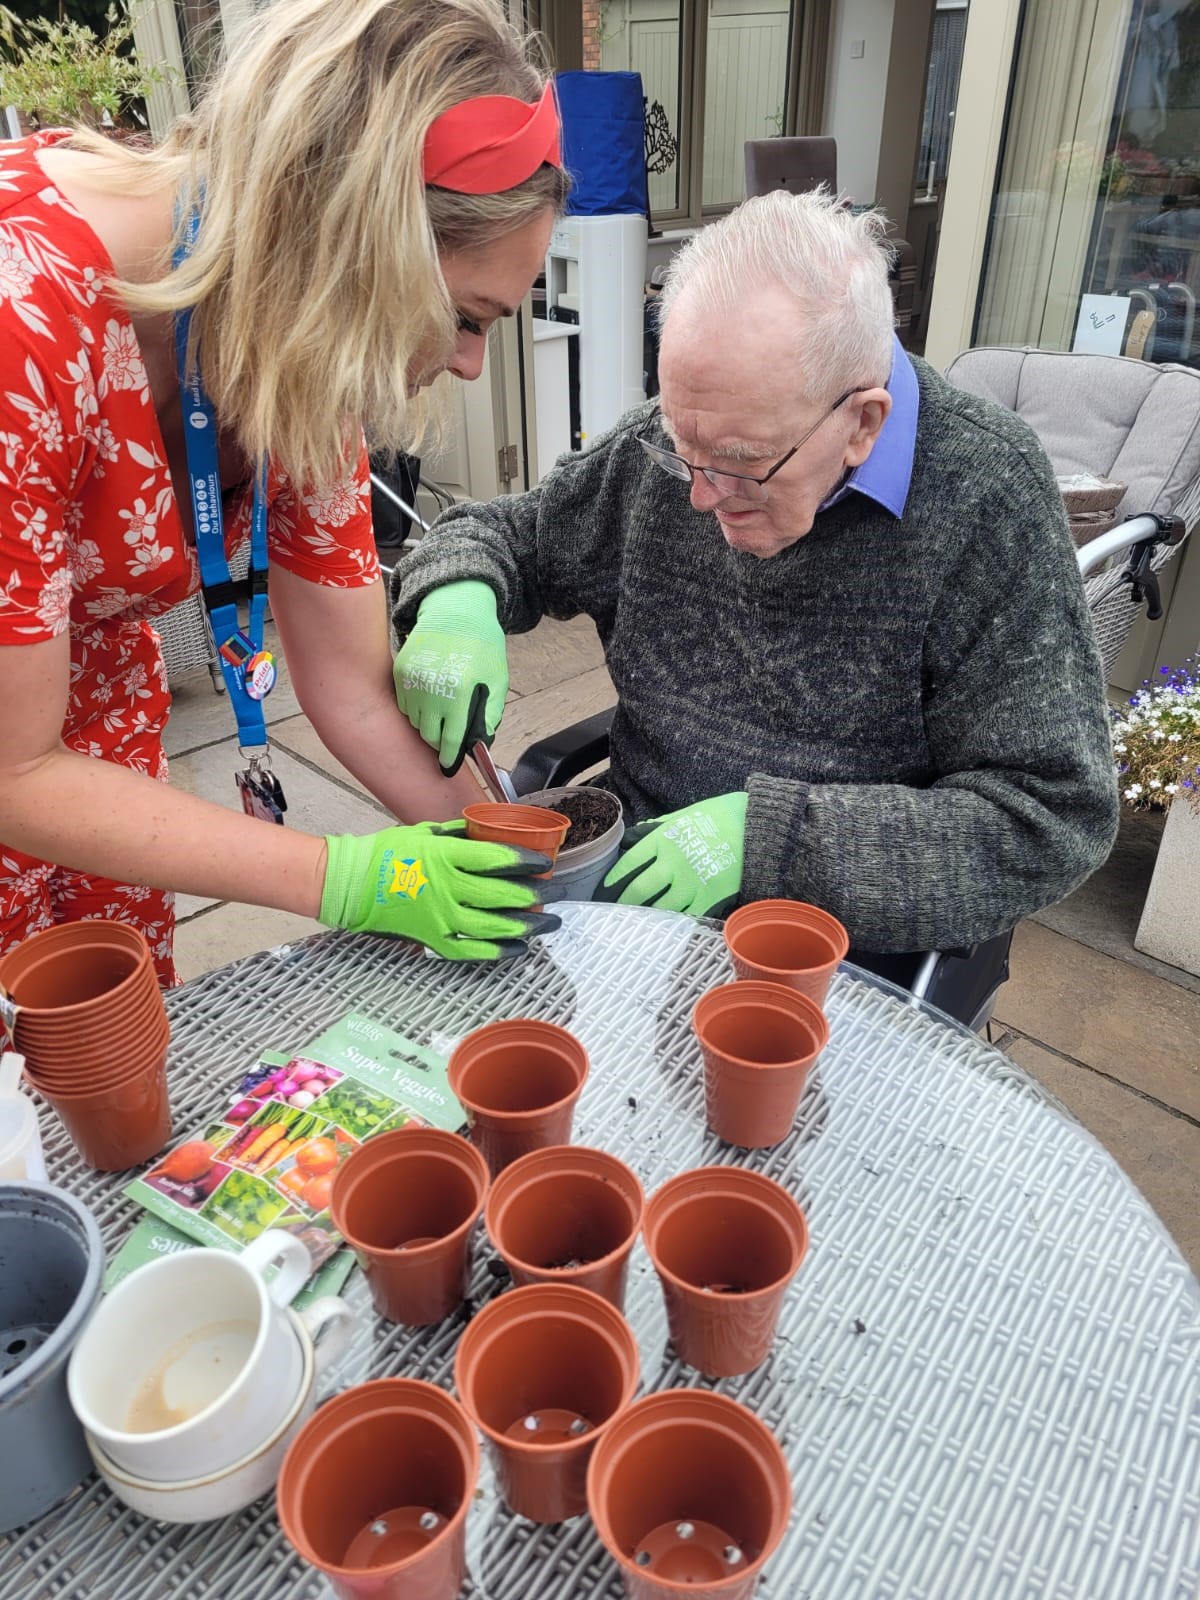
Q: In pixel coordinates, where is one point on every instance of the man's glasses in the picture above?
(735, 483)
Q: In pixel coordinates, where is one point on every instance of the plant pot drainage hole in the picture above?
(551, 1425)
(18, 1344)
(725, 1288)
(393, 1536)
(689, 1552)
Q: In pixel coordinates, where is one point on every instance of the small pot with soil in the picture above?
(593, 840)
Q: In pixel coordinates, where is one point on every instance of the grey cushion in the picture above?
(1127, 420)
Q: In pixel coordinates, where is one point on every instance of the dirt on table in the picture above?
(592, 813)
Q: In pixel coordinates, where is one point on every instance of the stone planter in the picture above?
(1170, 925)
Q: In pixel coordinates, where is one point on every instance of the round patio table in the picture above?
(987, 1375)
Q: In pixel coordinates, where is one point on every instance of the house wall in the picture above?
(856, 91)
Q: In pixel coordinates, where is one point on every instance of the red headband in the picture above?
(492, 143)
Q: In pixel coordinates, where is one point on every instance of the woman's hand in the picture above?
(463, 899)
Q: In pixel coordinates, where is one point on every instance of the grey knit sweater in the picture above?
(915, 706)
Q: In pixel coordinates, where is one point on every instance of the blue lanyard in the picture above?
(222, 593)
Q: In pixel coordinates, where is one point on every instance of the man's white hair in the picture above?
(832, 263)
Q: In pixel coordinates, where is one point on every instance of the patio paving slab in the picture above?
(1106, 1014)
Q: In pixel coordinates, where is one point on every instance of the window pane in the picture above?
(745, 89)
(941, 90)
(1099, 192)
(644, 36)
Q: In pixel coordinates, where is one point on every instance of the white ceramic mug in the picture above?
(192, 1363)
(220, 1494)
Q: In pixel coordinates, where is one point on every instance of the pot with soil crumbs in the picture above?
(593, 840)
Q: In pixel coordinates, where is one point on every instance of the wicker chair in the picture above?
(1120, 419)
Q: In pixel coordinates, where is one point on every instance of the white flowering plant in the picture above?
(1156, 739)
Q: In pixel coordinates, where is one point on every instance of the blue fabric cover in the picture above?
(603, 121)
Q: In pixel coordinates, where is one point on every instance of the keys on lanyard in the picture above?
(261, 791)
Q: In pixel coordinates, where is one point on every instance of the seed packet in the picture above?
(292, 1119)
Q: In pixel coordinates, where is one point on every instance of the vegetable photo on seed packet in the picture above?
(293, 1118)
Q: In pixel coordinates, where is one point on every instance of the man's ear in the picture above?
(873, 406)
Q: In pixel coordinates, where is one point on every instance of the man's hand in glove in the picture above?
(452, 674)
(689, 860)
(465, 900)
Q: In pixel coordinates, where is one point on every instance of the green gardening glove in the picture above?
(689, 860)
(465, 900)
(452, 674)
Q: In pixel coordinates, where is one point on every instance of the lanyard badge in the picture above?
(248, 668)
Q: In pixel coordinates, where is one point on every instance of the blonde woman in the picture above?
(364, 188)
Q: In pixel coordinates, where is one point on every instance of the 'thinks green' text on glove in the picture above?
(452, 674)
(465, 900)
(689, 860)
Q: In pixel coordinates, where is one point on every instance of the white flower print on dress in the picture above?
(122, 359)
(35, 530)
(16, 271)
(148, 554)
(54, 607)
(336, 503)
(85, 561)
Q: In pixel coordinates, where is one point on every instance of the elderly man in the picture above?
(837, 598)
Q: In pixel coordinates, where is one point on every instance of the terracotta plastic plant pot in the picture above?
(567, 1215)
(725, 1243)
(120, 1009)
(690, 1495)
(543, 1371)
(375, 1488)
(788, 942)
(407, 1202)
(758, 1041)
(518, 1082)
(527, 827)
(88, 1064)
(62, 972)
(122, 1125)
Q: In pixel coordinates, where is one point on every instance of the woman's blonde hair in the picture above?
(315, 281)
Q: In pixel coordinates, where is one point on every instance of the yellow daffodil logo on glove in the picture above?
(408, 878)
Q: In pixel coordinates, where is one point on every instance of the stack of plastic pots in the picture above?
(91, 1025)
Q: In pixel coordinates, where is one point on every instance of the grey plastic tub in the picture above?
(579, 872)
(51, 1261)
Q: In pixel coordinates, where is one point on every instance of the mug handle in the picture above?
(329, 1322)
(295, 1263)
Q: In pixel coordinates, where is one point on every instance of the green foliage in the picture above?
(62, 71)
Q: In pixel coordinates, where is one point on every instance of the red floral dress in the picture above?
(90, 536)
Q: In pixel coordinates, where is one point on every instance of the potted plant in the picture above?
(59, 72)
(1156, 746)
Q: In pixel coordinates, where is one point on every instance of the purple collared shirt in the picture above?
(887, 472)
